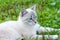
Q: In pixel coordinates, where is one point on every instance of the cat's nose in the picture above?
(35, 22)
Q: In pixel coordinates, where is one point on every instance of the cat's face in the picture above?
(29, 15)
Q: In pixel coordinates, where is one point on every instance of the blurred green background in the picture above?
(48, 11)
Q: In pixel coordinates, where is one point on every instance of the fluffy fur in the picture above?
(25, 26)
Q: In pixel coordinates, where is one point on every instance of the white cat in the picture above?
(25, 26)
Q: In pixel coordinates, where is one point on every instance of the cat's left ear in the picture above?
(23, 12)
(33, 7)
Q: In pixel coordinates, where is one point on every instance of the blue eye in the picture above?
(30, 18)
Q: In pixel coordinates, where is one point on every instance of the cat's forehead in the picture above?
(30, 12)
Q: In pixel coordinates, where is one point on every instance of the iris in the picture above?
(30, 18)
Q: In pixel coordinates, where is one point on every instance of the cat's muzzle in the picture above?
(34, 21)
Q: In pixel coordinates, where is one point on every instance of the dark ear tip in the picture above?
(33, 7)
(23, 12)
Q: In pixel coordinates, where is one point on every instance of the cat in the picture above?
(25, 26)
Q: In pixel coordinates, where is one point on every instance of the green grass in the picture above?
(48, 11)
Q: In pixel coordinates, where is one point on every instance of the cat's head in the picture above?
(29, 15)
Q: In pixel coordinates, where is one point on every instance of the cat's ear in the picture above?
(33, 7)
(23, 12)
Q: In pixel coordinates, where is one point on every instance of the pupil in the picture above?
(30, 18)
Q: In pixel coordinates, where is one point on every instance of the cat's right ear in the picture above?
(23, 12)
(33, 7)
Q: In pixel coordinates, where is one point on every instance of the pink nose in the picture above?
(34, 22)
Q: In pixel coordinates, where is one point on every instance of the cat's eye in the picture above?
(30, 18)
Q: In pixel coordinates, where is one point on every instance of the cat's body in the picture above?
(16, 28)
(23, 27)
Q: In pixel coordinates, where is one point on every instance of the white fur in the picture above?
(12, 30)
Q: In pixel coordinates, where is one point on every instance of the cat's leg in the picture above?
(8, 34)
(50, 37)
(45, 29)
